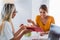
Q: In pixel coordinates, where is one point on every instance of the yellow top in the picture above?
(45, 27)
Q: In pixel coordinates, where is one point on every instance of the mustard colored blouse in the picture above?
(45, 27)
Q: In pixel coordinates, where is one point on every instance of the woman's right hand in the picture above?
(29, 21)
(42, 33)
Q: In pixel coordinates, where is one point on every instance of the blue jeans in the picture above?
(54, 33)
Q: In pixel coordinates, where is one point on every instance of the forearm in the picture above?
(18, 37)
(14, 38)
(15, 34)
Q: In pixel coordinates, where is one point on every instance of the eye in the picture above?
(44, 12)
(40, 12)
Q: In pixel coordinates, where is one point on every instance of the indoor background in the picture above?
(28, 9)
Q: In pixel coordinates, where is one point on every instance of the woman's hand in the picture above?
(22, 26)
(42, 33)
(29, 20)
(47, 32)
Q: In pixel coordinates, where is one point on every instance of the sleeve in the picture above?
(52, 20)
(36, 20)
(8, 31)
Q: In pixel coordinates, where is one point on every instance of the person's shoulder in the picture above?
(50, 16)
(7, 25)
(38, 16)
(6, 22)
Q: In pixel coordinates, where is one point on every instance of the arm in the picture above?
(36, 20)
(8, 32)
(52, 20)
(30, 21)
(33, 23)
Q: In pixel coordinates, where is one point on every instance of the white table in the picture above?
(35, 35)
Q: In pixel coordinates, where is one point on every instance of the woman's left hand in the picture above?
(42, 33)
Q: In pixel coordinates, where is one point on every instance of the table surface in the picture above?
(35, 35)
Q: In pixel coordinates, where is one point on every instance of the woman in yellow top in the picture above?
(43, 20)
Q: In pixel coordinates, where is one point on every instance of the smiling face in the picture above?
(14, 14)
(43, 13)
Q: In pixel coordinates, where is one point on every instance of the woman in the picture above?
(7, 29)
(43, 20)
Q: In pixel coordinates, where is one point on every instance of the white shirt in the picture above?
(8, 34)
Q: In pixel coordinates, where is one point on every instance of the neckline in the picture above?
(46, 21)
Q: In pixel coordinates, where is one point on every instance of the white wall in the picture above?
(54, 10)
(1, 6)
(24, 8)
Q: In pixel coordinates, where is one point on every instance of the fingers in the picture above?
(29, 20)
(42, 33)
(21, 24)
(22, 27)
